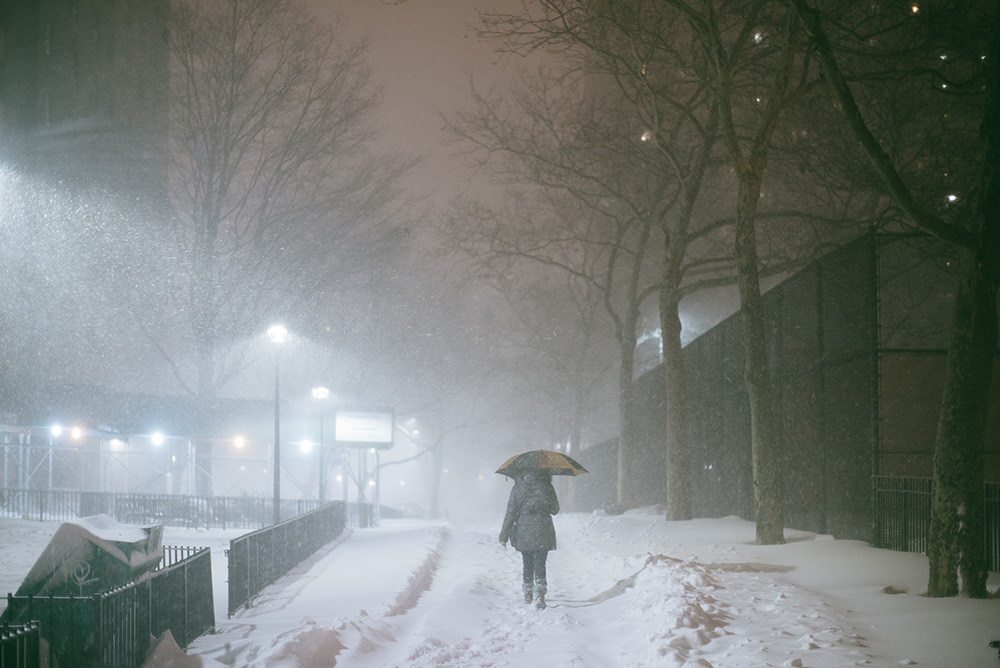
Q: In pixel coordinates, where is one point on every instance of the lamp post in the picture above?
(277, 334)
(321, 393)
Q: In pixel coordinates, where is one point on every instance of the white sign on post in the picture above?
(365, 429)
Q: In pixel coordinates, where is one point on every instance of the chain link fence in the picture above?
(857, 343)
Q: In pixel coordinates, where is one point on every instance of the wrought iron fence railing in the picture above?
(113, 629)
(20, 646)
(173, 510)
(259, 558)
(903, 516)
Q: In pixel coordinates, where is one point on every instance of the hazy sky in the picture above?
(424, 52)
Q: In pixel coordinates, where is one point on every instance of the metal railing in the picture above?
(258, 559)
(113, 629)
(187, 511)
(991, 520)
(903, 516)
(20, 646)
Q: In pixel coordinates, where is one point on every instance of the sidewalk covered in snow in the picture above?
(629, 591)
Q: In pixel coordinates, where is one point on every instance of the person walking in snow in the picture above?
(528, 525)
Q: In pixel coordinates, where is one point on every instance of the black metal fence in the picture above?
(113, 629)
(258, 559)
(186, 511)
(20, 646)
(903, 516)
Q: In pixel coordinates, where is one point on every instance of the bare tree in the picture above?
(276, 190)
(554, 319)
(685, 76)
(963, 84)
(636, 67)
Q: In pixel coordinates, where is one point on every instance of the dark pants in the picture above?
(534, 569)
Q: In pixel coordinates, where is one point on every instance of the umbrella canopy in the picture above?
(546, 461)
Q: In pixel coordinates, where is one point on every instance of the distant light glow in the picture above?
(157, 438)
(914, 8)
(239, 442)
(646, 136)
(277, 333)
(56, 430)
(340, 478)
(306, 446)
(320, 393)
(76, 433)
(952, 198)
(758, 38)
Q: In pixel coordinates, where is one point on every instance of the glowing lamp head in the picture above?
(277, 333)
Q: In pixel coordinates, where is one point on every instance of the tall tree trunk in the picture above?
(678, 473)
(757, 375)
(627, 436)
(956, 532)
(206, 403)
(956, 544)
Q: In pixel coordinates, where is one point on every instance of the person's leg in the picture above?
(541, 585)
(528, 575)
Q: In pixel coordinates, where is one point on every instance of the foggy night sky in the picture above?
(423, 53)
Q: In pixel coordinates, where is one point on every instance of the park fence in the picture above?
(114, 629)
(259, 558)
(210, 512)
(20, 646)
(903, 516)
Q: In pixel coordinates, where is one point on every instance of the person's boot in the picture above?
(526, 588)
(540, 589)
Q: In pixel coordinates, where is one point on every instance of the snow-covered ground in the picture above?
(624, 591)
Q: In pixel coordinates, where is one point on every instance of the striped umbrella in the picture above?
(546, 461)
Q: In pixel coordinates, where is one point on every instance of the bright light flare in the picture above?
(277, 333)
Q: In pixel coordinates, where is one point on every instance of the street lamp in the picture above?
(277, 334)
(321, 393)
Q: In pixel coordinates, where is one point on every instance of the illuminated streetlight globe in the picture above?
(277, 333)
(320, 393)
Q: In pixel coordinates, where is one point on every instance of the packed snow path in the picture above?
(628, 591)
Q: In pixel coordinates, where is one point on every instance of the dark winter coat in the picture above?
(528, 522)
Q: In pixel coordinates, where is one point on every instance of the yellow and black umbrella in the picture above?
(546, 461)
